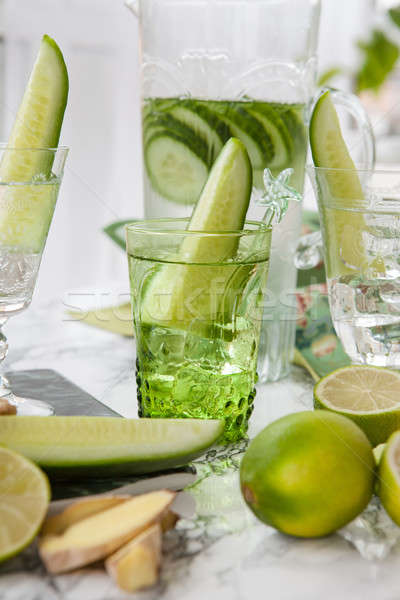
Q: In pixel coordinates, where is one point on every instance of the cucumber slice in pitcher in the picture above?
(222, 206)
(346, 253)
(294, 123)
(161, 123)
(195, 114)
(249, 130)
(205, 124)
(278, 132)
(201, 129)
(177, 167)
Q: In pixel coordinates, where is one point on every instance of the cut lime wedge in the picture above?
(177, 295)
(93, 446)
(389, 477)
(24, 498)
(370, 396)
(345, 248)
(26, 208)
(378, 452)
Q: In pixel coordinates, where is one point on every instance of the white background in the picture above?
(102, 183)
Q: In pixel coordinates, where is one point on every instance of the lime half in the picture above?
(24, 498)
(378, 452)
(389, 477)
(370, 396)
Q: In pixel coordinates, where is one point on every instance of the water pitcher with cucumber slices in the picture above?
(214, 69)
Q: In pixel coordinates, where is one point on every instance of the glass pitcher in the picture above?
(212, 69)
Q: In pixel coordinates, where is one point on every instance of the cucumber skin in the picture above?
(318, 150)
(94, 470)
(313, 133)
(58, 125)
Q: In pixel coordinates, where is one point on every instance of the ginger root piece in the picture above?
(99, 535)
(136, 565)
(6, 408)
(79, 510)
(169, 521)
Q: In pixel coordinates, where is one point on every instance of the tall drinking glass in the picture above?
(212, 69)
(29, 183)
(360, 222)
(197, 321)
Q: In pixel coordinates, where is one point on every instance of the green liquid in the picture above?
(206, 367)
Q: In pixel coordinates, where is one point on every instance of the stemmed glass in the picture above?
(30, 179)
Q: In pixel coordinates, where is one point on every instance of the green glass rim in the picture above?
(143, 226)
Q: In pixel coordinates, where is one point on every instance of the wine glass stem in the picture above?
(5, 389)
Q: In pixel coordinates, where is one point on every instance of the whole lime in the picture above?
(309, 473)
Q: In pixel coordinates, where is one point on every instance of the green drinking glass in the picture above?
(197, 324)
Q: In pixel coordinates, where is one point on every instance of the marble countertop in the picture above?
(223, 553)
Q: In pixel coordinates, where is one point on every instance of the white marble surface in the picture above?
(224, 553)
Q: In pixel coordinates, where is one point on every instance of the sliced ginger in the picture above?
(136, 565)
(101, 534)
(79, 510)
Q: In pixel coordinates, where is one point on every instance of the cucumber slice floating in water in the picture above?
(276, 128)
(200, 122)
(167, 123)
(26, 211)
(346, 253)
(289, 114)
(96, 446)
(222, 206)
(177, 167)
(178, 170)
(204, 123)
(201, 129)
(249, 130)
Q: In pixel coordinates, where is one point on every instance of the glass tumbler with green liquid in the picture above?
(197, 319)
